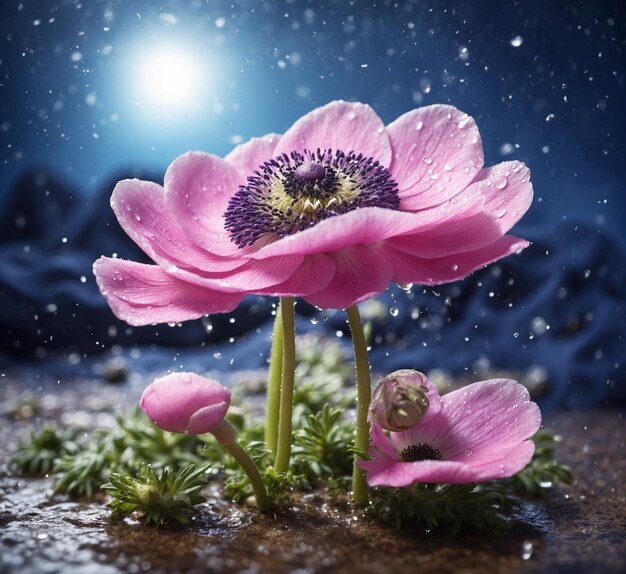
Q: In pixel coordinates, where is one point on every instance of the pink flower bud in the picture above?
(401, 400)
(187, 403)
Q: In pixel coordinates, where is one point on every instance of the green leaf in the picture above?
(38, 455)
(160, 498)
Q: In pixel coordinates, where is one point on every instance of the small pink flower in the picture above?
(480, 433)
(186, 403)
(332, 211)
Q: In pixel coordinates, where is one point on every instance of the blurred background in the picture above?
(95, 91)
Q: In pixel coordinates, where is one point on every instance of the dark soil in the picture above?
(577, 529)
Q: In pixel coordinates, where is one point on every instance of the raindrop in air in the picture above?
(527, 550)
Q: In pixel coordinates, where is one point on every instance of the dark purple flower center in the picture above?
(293, 192)
(420, 451)
(308, 173)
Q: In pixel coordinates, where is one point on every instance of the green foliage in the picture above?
(320, 356)
(238, 487)
(82, 473)
(37, 455)
(161, 474)
(135, 440)
(152, 445)
(457, 507)
(320, 451)
(160, 498)
(322, 373)
(320, 457)
(279, 486)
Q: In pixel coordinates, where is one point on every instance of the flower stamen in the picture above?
(292, 192)
(420, 451)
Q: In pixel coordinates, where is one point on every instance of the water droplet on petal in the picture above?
(463, 121)
(419, 125)
(501, 183)
(428, 160)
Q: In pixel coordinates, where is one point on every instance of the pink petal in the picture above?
(491, 416)
(363, 225)
(506, 462)
(507, 190)
(207, 418)
(314, 273)
(144, 294)
(248, 156)
(142, 212)
(341, 126)
(367, 225)
(252, 277)
(197, 189)
(381, 442)
(412, 269)
(178, 399)
(388, 472)
(361, 274)
(451, 237)
(437, 152)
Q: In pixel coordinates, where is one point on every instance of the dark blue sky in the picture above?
(543, 79)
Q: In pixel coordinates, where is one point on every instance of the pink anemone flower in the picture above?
(477, 433)
(331, 211)
(186, 403)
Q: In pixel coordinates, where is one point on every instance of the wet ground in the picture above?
(580, 528)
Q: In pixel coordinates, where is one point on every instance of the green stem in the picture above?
(243, 458)
(283, 450)
(364, 393)
(273, 383)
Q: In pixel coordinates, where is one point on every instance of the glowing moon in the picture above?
(167, 78)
